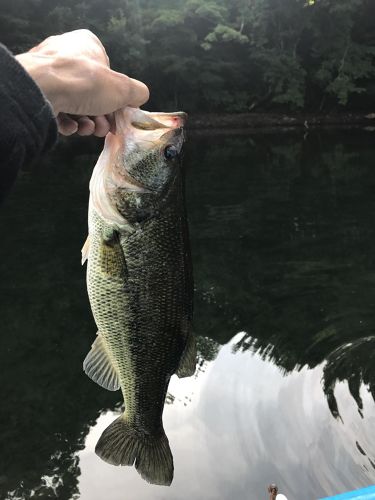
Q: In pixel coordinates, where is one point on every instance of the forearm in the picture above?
(27, 125)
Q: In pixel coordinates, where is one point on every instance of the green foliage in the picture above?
(345, 63)
(223, 33)
(168, 19)
(211, 12)
(222, 55)
(341, 77)
(284, 77)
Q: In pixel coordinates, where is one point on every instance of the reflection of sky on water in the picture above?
(240, 425)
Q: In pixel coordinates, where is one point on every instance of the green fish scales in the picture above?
(140, 287)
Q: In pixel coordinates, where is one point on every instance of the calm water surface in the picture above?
(283, 240)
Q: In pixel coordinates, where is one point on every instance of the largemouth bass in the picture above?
(139, 282)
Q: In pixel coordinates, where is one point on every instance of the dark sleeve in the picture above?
(27, 125)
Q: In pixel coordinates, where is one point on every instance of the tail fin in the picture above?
(122, 444)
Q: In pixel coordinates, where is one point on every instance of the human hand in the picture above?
(73, 72)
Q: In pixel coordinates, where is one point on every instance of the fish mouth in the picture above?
(171, 120)
(143, 120)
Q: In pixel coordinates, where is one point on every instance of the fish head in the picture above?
(148, 147)
(137, 167)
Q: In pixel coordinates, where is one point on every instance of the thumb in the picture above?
(127, 91)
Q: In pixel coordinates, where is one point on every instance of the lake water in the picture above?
(283, 240)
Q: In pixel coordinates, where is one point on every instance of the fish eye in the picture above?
(170, 152)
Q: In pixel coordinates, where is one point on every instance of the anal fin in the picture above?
(99, 367)
(188, 359)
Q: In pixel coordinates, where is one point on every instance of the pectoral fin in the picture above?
(112, 259)
(188, 360)
(99, 366)
(85, 250)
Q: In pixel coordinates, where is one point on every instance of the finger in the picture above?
(66, 125)
(102, 126)
(139, 93)
(86, 126)
(128, 92)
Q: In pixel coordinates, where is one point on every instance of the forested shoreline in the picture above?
(223, 56)
(279, 120)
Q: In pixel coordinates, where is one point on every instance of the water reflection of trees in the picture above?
(291, 260)
(282, 234)
(355, 363)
